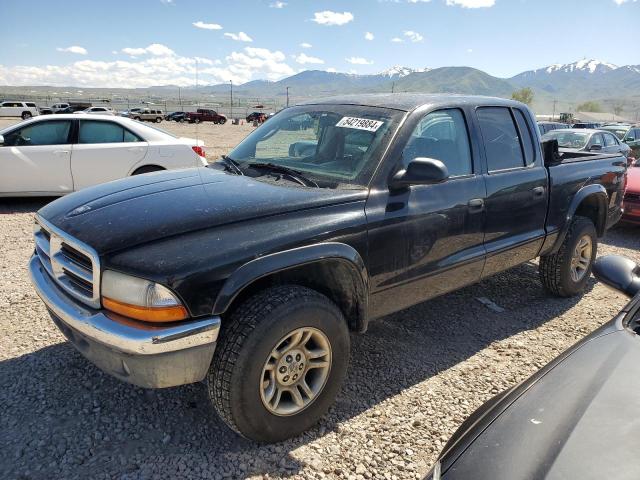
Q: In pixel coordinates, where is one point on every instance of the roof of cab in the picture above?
(410, 101)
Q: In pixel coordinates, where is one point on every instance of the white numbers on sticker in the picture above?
(359, 123)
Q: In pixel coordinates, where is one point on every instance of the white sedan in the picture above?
(60, 154)
(98, 111)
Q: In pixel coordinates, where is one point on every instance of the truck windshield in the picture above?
(332, 144)
(567, 139)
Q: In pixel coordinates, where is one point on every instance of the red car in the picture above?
(205, 115)
(632, 195)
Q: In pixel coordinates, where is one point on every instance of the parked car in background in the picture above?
(65, 110)
(148, 115)
(176, 116)
(45, 110)
(56, 107)
(629, 134)
(256, 117)
(586, 125)
(97, 111)
(205, 115)
(573, 419)
(632, 195)
(588, 140)
(60, 154)
(545, 127)
(24, 110)
(264, 261)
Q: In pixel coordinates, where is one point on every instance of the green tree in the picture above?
(590, 106)
(524, 95)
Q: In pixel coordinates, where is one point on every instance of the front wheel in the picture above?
(566, 272)
(279, 364)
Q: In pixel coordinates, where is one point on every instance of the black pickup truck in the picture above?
(250, 273)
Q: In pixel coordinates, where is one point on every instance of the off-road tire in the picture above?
(158, 119)
(555, 269)
(247, 338)
(26, 115)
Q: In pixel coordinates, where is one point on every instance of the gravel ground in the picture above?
(413, 379)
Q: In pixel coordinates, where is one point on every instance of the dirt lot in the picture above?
(413, 379)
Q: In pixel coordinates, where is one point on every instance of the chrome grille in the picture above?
(72, 264)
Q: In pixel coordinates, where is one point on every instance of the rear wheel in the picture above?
(26, 115)
(147, 169)
(196, 120)
(158, 119)
(567, 272)
(136, 118)
(279, 363)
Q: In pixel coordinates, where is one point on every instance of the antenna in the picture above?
(197, 101)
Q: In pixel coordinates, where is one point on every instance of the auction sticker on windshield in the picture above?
(360, 123)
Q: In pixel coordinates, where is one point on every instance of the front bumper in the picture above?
(146, 355)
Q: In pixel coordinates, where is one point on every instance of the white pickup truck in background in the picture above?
(18, 109)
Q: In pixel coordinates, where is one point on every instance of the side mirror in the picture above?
(618, 273)
(1, 140)
(550, 152)
(420, 171)
(595, 148)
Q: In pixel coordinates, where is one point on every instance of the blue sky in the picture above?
(151, 42)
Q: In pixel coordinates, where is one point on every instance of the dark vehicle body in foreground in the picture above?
(205, 115)
(574, 418)
(329, 215)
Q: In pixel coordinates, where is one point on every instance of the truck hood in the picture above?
(578, 421)
(145, 208)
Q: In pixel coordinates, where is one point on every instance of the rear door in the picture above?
(611, 144)
(105, 151)
(516, 182)
(36, 159)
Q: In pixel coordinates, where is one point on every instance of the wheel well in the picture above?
(594, 207)
(335, 278)
(147, 169)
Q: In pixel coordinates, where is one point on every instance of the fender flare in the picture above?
(289, 259)
(590, 190)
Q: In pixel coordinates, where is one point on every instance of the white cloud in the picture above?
(240, 67)
(306, 45)
(167, 2)
(303, 59)
(413, 36)
(239, 37)
(359, 61)
(207, 26)
(156, 49)
(397, 40)
(331, 70)
(471, 3)
(73, 49)
(369, 36)
(469, 50)
(278, 4)
(418, 1)
(620, 2)
(328, 17)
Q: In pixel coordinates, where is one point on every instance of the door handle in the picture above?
(135, 149)
(476, 204)
(538, 191)
(60, 152)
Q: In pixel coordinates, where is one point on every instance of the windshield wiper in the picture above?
(295, 175)
(231, 165)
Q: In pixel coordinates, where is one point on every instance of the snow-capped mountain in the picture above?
(398, 71)
(585, 66)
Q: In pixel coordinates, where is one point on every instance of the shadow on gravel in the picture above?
(62, 417)
(23, 205)
(623, 236)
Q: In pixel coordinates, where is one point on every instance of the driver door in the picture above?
(36, 159)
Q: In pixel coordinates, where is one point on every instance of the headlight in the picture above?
(140, 299)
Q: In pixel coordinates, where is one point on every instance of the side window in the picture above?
(609, 141)
(94, 131)
(131, 137)
(442, 135)
(32, 105)
(41, 133)
(525, 136)
(500, 136)
(597, 140)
